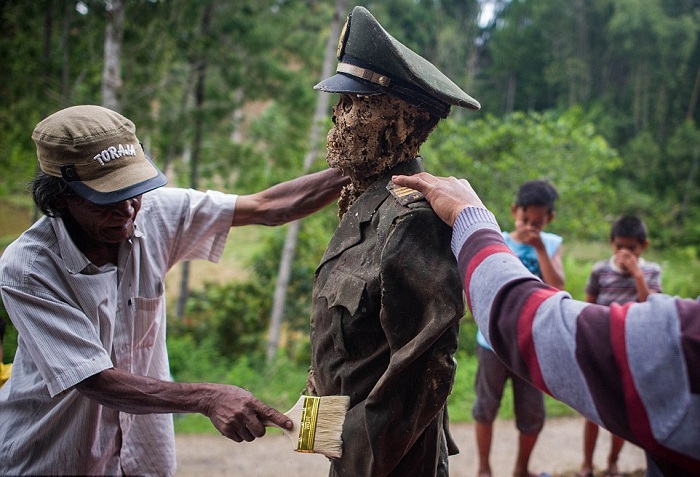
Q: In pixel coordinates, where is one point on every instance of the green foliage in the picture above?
(498, 154)
(229, 319)
(9, 343)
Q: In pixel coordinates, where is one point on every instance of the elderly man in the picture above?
(90, 389)
(387, 296)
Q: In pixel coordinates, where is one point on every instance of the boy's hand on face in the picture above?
(529, 236)
(627, 261)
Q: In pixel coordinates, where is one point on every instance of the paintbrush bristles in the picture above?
(330, 416)
(329, 425)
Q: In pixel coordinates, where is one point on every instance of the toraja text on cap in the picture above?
(115, 152)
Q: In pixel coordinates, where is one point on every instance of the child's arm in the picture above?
(551, 268)
(629, 263)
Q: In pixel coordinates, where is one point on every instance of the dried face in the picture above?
(372, 134)
(354, 137)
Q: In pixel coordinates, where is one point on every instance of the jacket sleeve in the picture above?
(421, 305)
(632, 368)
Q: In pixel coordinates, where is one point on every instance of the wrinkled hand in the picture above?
(447, 195)
(238, 415)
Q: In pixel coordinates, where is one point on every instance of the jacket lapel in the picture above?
(349, 231)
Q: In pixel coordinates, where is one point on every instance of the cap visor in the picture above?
(105, 198)
(341, 83)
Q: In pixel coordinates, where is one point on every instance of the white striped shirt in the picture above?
(75, 320)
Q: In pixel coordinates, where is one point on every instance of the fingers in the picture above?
(422, 182)
(238, 415)
(447, 196)
(268, 413)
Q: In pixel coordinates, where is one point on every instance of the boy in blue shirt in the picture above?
(541, 253)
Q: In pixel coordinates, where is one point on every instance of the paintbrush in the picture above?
(318, 424)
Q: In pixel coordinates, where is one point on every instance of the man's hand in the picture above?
(235, 412)
(447, 195)
(238, 415)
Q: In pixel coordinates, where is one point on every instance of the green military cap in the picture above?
(371, 61)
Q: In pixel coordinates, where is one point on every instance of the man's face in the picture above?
(106, 224)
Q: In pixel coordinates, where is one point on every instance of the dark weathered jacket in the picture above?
(387, 302)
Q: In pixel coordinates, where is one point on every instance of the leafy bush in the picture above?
(228, 320)
(498, 154)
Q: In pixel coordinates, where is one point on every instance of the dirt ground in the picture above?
(558, 452)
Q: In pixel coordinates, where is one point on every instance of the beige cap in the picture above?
(95, 150)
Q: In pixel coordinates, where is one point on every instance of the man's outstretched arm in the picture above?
(632, 368)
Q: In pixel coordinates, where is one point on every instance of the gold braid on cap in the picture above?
(364, 73)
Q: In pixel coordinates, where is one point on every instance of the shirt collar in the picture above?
(75, 260)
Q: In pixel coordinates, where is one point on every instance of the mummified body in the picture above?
(387, 295)
(387, 299)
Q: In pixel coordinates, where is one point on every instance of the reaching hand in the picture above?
(237, 414)
(447, 195)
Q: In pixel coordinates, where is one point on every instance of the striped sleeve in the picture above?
(634, 369)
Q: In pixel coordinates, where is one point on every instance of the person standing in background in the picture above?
(541, 253)
(623, 278)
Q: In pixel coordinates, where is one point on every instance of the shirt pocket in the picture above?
(354, 327)
(149, 317)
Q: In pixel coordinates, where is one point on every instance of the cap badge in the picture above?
(343, 38)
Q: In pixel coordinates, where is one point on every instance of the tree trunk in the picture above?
(694, 97)
(583, 70)
(285, 269)
(510, 94)
(111, 72)
(65, 50)
(48, 78)
(200, 67)
(689, 188)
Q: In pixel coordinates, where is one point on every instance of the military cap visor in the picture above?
(345, 83)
